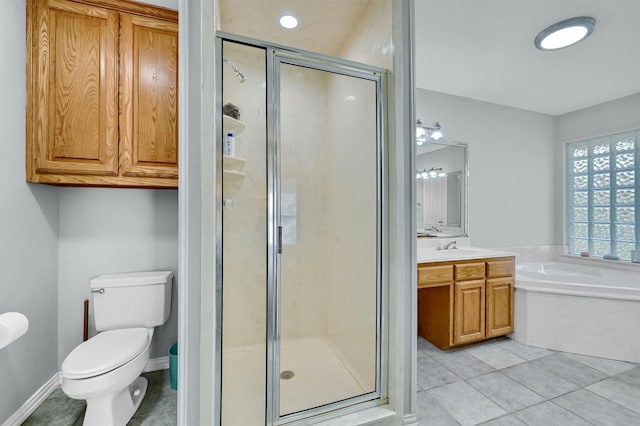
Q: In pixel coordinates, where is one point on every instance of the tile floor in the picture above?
(158, 407)
(494, 383)
(503, 383)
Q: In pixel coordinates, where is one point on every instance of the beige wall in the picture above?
(351, 293)
(244, 223)
(245, 240)
(304, 169)
(370, 43)
(352, 205)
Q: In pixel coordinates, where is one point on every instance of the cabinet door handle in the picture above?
(279, 239)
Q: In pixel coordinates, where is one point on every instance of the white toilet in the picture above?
(105, 370)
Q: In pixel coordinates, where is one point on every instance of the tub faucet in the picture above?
(433, 228)
(450, 246)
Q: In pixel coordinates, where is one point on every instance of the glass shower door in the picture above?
(300, 302)
(328, 214)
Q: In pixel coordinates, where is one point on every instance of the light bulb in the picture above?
(421, 135)
(563, 38)
(288, 21)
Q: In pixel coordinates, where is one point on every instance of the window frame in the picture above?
(567, 192)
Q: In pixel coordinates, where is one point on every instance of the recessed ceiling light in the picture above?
(565, 33)
(288, 21)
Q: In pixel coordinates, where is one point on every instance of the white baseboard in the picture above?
(155, 364)
(34, 401)
(27, 409)
(410, 419)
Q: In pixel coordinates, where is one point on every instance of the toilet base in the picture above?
(116, 409)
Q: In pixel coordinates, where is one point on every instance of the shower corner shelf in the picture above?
(231, 163)
(233, 175)
(231, 125)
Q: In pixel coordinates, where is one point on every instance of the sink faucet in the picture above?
(450, 245)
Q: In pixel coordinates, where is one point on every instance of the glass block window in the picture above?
(603, 215)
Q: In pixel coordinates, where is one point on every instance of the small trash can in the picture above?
(173, 365)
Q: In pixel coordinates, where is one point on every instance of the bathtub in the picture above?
(584, 309)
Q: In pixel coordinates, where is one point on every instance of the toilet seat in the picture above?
(105, 352)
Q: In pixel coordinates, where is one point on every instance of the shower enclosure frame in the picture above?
(275, 56)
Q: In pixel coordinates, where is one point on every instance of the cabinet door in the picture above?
(499, 306)
(149, 97)
(469, 314)
(73, 111)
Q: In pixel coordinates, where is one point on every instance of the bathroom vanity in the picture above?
(466, 299)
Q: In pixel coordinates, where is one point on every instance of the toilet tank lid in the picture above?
(131, 279)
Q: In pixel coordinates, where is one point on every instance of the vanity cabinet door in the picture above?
(469, 311)
(499, 306)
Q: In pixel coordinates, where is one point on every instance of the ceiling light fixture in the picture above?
(288, 21)
(426, 134)
(565, 33)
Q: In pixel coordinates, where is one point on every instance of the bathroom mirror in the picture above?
(441, 190)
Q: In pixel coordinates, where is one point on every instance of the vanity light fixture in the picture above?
(288, 21)
(426, 133)
(565, 33)
(432, 173)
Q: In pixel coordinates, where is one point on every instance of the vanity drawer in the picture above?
(434, 274)
(500, 268)
(469, 271)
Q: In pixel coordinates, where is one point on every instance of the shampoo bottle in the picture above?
(230, 145)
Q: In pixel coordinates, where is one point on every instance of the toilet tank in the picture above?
(133, 299)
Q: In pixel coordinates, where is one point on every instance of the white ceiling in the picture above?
(483, 49)
(258, 19)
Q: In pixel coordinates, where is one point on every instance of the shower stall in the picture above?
(301, 295)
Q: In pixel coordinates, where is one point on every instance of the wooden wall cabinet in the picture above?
(465, 301)
(102, 101)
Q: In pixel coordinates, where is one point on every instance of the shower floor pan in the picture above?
(320, 376)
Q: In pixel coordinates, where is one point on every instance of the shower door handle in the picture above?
(279, 239)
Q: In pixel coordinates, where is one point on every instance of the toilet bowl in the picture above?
(105, 370)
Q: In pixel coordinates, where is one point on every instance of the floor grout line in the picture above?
(569, 378)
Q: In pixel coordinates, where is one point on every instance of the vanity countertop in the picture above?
(464, 253)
